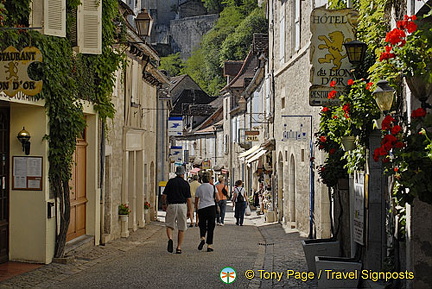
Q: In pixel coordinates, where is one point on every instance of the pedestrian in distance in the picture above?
(193, 187)
(239, 201)
(222, 192)
(176, 201)
(205, 200)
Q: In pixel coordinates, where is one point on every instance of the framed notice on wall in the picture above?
(27, 173)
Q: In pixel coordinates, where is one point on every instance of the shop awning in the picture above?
(249, 151)
(256, 156)
(194, 170)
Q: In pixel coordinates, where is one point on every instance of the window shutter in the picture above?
(55, 18)
(90, 27)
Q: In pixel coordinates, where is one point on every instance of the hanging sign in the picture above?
(13, 71)
(330, 30)
(175, 126)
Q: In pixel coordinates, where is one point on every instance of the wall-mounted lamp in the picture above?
(143, 23)
(24, 137)
(384, 95)
(356, 51)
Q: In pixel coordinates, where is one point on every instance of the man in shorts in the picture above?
(176, 201)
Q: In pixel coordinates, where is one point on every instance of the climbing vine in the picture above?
(68, 78)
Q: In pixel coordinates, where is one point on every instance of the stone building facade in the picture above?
(298, 188)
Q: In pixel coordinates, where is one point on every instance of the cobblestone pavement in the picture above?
(141, 260)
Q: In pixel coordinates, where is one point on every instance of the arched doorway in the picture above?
(292, 190)
(280, 186)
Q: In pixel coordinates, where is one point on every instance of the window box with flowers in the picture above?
(354, 118)
(123, 210)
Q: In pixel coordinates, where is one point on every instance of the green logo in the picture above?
(228, 275)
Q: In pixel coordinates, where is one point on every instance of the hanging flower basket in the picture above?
(419, 86)
(348, 142)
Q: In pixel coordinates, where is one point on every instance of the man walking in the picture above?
(176, 201)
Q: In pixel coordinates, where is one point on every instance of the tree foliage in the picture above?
(229, 39)
(172, 64)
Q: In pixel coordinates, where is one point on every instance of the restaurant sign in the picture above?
(14, 66)
(330, 30)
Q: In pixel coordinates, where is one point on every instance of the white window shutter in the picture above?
(54, 18)
(89, 28)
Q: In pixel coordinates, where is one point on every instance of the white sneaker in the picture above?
(221, 224)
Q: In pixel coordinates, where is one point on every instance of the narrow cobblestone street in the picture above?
(141, 261)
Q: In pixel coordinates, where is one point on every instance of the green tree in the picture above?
(173, 64)
(236, 45)
(237, 23)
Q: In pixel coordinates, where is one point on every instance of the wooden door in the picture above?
(4, 185)
(78, 198)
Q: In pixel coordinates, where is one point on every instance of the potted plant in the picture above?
(349, 266)
(123, 211)
(147, 206)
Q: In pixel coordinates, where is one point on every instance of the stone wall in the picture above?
(187, 32)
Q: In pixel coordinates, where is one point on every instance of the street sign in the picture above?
(251, 135)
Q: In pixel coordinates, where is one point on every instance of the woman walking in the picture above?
(205, 200)
(222, 192)
(239, 199)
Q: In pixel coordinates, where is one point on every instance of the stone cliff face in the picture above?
(187, 32)
(178, 25)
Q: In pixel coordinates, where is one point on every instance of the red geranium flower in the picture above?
(332, 94)
(386, 123)
(350, 82)
(399, 145)
(332, 83)
(419, 112)
(396, 129)
(332, 151)
(395, 36)
(323, 138)
(325, 109)
(369, 85)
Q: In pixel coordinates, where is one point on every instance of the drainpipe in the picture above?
(101, 183)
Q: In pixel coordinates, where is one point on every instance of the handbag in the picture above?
(248, 210)
(216, 203)
(225, 192)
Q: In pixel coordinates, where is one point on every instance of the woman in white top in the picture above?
(205, 197)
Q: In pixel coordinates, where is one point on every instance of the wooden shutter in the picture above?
(89, 30)
(54, 18)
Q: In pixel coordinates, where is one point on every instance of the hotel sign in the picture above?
(330, 30)
(14, 66)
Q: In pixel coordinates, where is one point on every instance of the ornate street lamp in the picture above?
(356, 51)
(384, 95)
(143, 23)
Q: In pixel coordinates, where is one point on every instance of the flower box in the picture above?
(341, 272)
(319, 247)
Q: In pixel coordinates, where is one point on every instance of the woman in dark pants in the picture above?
(205, 198)
(239, 199)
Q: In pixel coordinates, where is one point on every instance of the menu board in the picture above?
(27, 173)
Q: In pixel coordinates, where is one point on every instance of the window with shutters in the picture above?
(89, 27)
(50, 15)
